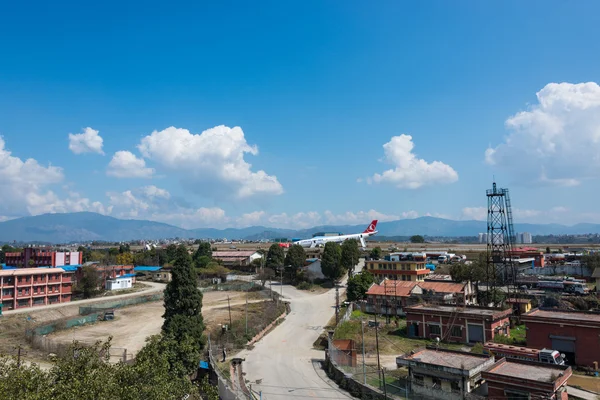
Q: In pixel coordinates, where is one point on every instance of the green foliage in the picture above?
(417, 239)
(204, 250)
(295, 257)
(86, 253)
(551, 301)
(477, 348)
(330, 261)
(304, 286)
(264, 275)
(375, 253)
(591, 261)
(171, 253)
(275, 256)
(124, 258)
(474, 272)
(213, 270)
(350, 255)
(183, 305)
(85, 373)
(358, 286)
(202, 261)
(90, 283)
(124, 248)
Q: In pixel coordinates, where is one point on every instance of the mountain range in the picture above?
(87, 226)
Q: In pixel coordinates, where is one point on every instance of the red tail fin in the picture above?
(371, 227)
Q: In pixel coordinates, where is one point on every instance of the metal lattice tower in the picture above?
(500, 239)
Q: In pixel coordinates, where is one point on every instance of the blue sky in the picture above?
(318, 95)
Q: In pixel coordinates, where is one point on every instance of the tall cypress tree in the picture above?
(183, 303)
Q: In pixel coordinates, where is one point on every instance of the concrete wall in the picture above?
(559, 270)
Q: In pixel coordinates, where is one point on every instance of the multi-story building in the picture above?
(401, 270)
(508, 379)
(28, 287)
(456, 324)
(444, 374)
(573, 333)
(390, 297)
(483, 237)
(36, 257)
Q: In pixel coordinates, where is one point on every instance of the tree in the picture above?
(90, 283)
(591, 261)
(202, 261)
(358, 285)
(548, 250)
(330, 261)
(475, 271)
(349, 255)
(170, 253)
(204, 250)
(86, 253)
(264, 275)
(295, 258)
(183, 306)
(124, 248)
(275, 256)
(375, 253)
(417, 239)
(124, 259)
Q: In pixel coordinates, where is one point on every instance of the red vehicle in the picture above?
(547, 356)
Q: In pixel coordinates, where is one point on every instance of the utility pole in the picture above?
(384, 386)
(19, 356)
(337, 304)
(377, 343)
(246, 313)
(229, 306)
(362, 328)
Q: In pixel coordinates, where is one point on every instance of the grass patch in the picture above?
(517, 336)
(393, 338)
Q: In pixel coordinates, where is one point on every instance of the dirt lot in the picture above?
(132, 325)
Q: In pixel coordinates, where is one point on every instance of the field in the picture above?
(132, 325)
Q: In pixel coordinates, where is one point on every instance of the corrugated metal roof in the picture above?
(403, 288)
(146, 268)
(219, 254)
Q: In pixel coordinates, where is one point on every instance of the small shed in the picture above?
(120, 282)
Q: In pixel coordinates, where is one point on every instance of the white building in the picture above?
(483, 238)
(121, 282)
(526, 238)
(313, 270)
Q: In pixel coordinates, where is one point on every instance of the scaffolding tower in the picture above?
(500, 240)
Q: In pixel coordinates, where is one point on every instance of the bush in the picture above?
(304, 286)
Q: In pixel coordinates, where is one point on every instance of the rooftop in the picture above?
(147, 268)
(480, 311)
(596, 273)
(450, 359)
(520, 301)
(564, 315)
(30, 271)
(245, 253)
(529, 371)
(394, 288)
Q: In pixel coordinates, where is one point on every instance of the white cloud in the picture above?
(299, 220)
(194, 218)
(154, 192)
(556, 141)
(212, 162)
(251, 219)
(20, 180)
(559, 209)
(87, 142)
(49, 202)
(410, 172)
(476, 213)
(125, 164)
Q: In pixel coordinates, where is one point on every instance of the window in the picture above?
(455, 386)
(418, 380)
(436, 382)
(512, 395)
(434, 330)
(456, 331)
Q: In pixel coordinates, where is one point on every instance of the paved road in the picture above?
(154, 287)
(582, 394)
(284, 359)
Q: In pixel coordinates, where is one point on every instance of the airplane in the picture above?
(321, 240)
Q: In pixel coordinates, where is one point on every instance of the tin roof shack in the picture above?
(240, 259)
(526, 380)
(456, 324)
(573, 333)
(444, 374)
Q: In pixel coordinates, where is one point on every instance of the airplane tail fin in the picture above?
(371, 227)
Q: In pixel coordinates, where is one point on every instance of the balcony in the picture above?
(24, 283)
(39, 294)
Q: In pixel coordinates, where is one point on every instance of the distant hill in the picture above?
(85, 226)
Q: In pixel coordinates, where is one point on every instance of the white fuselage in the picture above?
(321, 240)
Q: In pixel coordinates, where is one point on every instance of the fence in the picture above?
(231, 383)
(84, 310)
(360, 379)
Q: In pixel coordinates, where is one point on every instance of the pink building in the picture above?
(29, 287)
